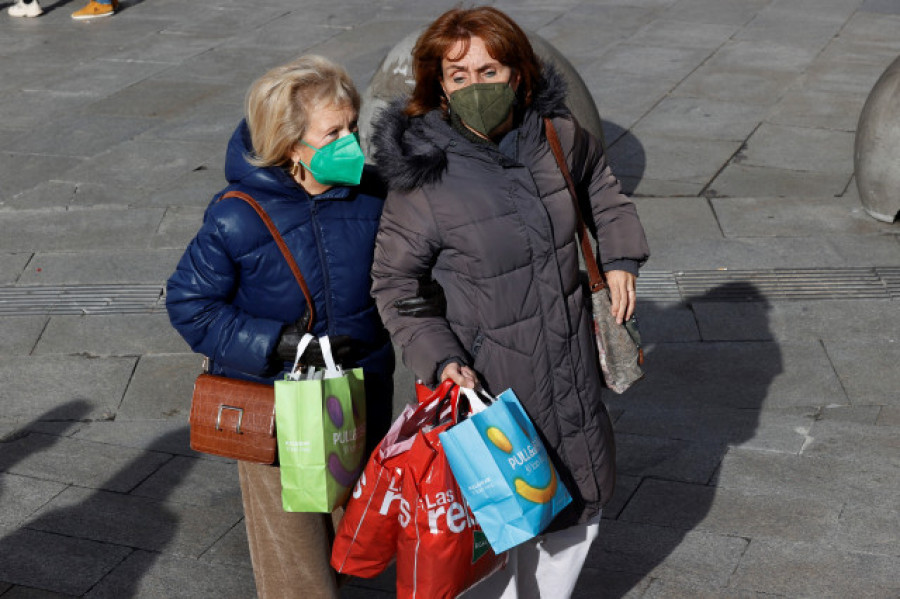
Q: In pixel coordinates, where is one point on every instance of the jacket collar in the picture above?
(412, 152)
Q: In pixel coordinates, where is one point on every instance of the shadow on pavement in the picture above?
(698, 400)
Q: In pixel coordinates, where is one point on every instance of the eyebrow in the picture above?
(456, 66)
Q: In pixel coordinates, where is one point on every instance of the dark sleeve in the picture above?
(406, 248)
(197, 300)
(614, 219)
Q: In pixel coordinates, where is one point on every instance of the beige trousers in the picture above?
(290, 551)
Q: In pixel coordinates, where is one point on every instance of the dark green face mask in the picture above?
(483, 106)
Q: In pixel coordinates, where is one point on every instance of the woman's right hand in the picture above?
(461, 375)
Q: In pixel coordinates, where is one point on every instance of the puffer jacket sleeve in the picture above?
(615, 223)
(406, 248)
(197, 299)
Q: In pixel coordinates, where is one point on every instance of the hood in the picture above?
(412, 151)
(239, 170)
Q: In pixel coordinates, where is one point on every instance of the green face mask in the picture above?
(337, 163)
(483, 106)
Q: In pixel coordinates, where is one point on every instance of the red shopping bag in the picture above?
(441, 550)
(366, 540)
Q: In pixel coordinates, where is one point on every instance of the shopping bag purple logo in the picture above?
(504, 472)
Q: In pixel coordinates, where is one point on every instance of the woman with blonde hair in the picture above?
(234, 298)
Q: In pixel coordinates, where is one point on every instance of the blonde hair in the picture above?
(278, 104)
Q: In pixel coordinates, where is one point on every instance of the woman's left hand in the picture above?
(621, 293)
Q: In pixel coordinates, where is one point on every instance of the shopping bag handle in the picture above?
(331, 369)
(475, 403)
(301, 348)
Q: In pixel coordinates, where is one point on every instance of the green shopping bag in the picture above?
(320, 423)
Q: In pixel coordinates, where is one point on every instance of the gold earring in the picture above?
(295, 170)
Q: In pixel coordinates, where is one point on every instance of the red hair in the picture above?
(504, 40)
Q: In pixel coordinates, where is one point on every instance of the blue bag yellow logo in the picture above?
(530, 492)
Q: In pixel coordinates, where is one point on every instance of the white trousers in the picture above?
(546, 566)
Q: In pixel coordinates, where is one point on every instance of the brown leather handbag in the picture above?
(234, 418)
(618, 345)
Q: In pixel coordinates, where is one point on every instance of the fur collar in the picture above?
(412, 152)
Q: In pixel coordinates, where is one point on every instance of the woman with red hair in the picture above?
(478, 202)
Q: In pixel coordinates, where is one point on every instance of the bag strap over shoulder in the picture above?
(279, 241)
(596, 277)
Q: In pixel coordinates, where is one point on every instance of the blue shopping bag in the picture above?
(504, 471)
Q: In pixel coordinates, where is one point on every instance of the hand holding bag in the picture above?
(234, 418)
(618, 345)
(504, 471)
(321, 421)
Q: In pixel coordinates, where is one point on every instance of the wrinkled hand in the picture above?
(430, 301)
(461, 375)
(621, 294)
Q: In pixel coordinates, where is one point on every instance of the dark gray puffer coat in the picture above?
(499, 236)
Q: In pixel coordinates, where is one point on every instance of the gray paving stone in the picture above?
(771, 375)
(749, 515)
(683, 34)
(846, 480)
(778, 146)
(81, 134)
(739, 180)
(661, 589)
(22, 496)
(889, 416)
(110, 335)
(837, 439)
(730, 12)
(167, 436)
(653, 188)
(691, 218)
(231, 549)
(701, 118)
(210, 484)
(24, 108)
(23, 171)
(671, 459)
(694, 161)
(133, 521)
(95, 386)
(771, 430)
(59, 195)
(82, 463)
(192, 190)
(665, 322)
(143, 163)
(19, 592)
(201, 121)
(161, 387)
(660, 552)
(179, 226)
(868, 529)
(772, 567)
(795, 216)
(157, 98)
(103, 266)
(591, 30)
(96, 78)
(55, 563)
(833, 320)
(621, 97)
(782, 23)
(835, 251)
(858, 364)
(736, 83)
(859, 415)
(150, 576)
(818, 109)
(20, 334)
(88, 229)
(614, 583)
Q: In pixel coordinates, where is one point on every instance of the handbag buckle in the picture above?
(240, 417)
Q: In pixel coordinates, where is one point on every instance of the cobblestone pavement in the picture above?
(759, 458)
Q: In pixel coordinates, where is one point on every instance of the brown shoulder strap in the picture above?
(284, 250)
(596, 277)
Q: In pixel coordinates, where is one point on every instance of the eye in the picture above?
(459, 79)
(490, 73)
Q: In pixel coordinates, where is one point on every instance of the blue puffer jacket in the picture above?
(232, 291)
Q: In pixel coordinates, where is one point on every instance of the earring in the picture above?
(295, 170)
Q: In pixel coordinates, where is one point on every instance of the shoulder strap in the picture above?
(281, 246)
(596, 277)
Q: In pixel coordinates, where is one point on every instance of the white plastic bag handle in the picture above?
(475, 403)
(301, 348)
(331, 369)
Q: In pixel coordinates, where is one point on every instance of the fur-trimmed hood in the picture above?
(412, 151)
